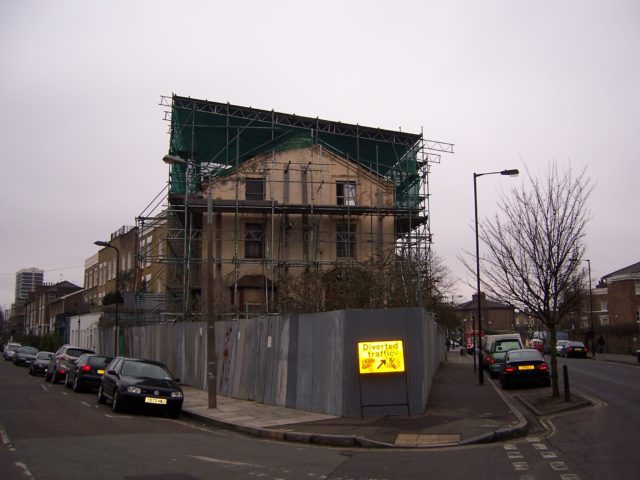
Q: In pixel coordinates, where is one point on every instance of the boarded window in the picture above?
(254, 240)
(346, 193)
(345, 240)
(255, 189)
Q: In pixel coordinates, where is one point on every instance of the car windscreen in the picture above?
(524, 356)
(506, 345)
(44, 356)
(98, 361)
(32, 350)
(76, 352)
(145, 370)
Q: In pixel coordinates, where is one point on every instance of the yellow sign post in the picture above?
(381, 357)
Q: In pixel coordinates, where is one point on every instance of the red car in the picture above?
(537, 344)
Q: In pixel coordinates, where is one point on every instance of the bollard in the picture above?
(462, 351)
(565, 376)
(638, 355)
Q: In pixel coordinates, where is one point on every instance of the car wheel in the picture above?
(76, 385)
(116, 404)
(101, 397)
(66, 381)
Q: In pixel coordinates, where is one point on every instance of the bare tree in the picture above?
(535, 247)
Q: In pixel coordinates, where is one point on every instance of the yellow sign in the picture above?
(381, 357)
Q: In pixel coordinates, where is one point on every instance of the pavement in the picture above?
(459, 412)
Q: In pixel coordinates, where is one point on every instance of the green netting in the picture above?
(216, 141)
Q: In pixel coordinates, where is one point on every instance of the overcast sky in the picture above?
(510, 83)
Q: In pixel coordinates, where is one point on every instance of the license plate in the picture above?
(158, 401)
(578, 349)
(526, 367)
(100, 372)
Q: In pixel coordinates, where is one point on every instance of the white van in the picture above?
(494, 347)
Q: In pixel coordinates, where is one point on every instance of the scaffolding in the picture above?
(218, 142)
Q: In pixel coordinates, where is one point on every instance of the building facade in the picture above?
(27, 280)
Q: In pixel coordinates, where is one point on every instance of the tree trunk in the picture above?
(554, 359)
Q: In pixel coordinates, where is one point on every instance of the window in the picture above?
(603, 306)
(254, 240)
(637, 287)
(345, 240)
(346, 193)
(604, 321)
(254, 189)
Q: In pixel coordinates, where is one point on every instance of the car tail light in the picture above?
(509, 369)
(61, 371)
(85, 369)
(488, 359)
(586, 349)
(543, 366)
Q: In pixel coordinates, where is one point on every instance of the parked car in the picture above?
(524, 367)
(24, 355)
(135, 382)
(537, 344)
(560, 346)
(494, 349)
(59, 363)
(575, 349)
(40, 363)
(10, 349)
(86, 372)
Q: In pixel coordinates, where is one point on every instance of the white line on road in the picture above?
(44, 387)
(226, 462)
(24, 469)
(86, 404)
(5, 439)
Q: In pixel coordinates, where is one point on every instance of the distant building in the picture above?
(27, 280)
(496, 317)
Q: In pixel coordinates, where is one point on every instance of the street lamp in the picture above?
(593, 331)
(100, 243)
(212, 356)
(512, 173)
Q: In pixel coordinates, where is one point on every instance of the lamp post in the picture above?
(175, 160)
(100, 243)
(212, 357)
(593, 331)
(512, 173)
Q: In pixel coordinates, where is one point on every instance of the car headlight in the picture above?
(176, 394)
(134, 389)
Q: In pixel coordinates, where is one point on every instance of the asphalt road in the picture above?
(49, 432)
(605, 440)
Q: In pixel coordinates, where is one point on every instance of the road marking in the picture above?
(225, 462)
(117, 416)
(44, 387)
(548, 454)
(510, 446)
(514, 455)
(558, 466)
(86, 404)
(569, 476)
(521, 466)
(65, 393)
(5, 439)
(539, 446)
(24, 468)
